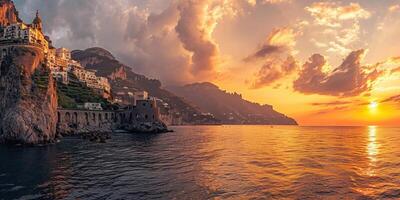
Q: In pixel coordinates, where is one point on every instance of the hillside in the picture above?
(123, 80)
(230, 108)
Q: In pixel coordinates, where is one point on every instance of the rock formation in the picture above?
(28, 98)
(146, 127)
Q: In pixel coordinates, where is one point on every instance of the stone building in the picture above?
(20, 33)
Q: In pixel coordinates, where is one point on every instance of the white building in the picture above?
(25, 34)
(92, 106)
(61, 76)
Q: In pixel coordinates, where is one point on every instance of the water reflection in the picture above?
(372, 150)
(221, 162)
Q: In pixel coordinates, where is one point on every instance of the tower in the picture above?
(37, 22)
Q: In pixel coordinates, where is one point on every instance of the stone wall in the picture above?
(70, 122)
(144, 117)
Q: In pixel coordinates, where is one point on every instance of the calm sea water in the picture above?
(218, 162)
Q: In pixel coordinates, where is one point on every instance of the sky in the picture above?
(321, 62)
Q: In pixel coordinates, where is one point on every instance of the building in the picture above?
(63, 54)
(58, 60)
(61, 76)
(51, 59)
(139, 96)
(24, 34)
(92, 106)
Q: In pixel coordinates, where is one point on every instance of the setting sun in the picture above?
(373, 105)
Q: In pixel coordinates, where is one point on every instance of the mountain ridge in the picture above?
(230, 108)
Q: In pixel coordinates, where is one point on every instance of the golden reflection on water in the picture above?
(372, 149)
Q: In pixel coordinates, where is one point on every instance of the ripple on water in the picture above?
(222, 162)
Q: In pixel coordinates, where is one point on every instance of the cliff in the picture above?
(28, 98)
(230, 108)
(8, 13)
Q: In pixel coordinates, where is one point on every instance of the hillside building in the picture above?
(23, 34)
(92, 106)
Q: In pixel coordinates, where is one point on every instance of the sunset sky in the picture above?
(321, 62)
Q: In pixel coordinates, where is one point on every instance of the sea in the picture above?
(211, 162)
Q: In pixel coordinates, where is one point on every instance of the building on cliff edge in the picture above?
(62, 67)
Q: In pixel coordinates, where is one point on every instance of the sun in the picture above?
(373, 105)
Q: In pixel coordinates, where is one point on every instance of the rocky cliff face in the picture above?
(119, 73)
(28, 98)
(8, 13)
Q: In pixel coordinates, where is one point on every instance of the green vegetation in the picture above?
(75, 93)
(41, 78)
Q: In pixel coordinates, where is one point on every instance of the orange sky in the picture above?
(334, 31)
(321, 62)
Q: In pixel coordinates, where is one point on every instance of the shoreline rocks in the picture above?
(146, 127)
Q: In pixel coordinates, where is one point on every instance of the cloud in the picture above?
(194, 29)
(254, 2)
(336, 26)
(276, 54)
(331, 13)
(331, 103)
(279, 41)
(395, 70)
(330, 110)
(276, 1)
(394, 8)
(168, 40)
(349, 79)
(392, 99)
(274, 70)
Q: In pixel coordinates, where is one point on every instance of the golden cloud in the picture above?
(276, 53)
(331, 13)
(394, 8)
(351, 78)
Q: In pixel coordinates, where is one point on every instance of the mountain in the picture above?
(124, 81)
(230, 108)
